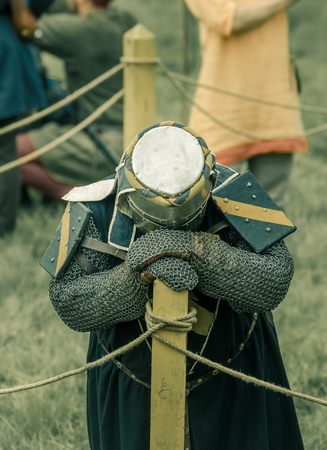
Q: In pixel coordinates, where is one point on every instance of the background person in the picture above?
(21, 92)
(245, 49)
(230, 284)
(89, 41)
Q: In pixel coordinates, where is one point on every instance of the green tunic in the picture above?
(89, 46)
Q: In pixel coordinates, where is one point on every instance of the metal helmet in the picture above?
(165, 178)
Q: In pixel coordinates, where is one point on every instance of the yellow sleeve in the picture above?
(216, 14)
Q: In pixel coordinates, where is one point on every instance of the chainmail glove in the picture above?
(175, 273)
(158, 244)
(250, 282)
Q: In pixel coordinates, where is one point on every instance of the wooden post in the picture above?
(184, 59)
(140, 109)
(168, 379)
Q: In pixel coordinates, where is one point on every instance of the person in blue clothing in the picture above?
(89, 41)
(172, 213)
(21, 91)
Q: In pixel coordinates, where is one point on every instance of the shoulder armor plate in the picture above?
(66, 239)
(249, 209)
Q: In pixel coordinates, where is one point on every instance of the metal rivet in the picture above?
(38, 33)
(249, 184)
(265, 210)
(73, 228)
(246, 220)
(268, 229)
(69, 209)
(79, 219)
(241, 347)
(58, 238)
(226, 200)
(254, 196)
(52, 259)
(200, 380)
(237, 208)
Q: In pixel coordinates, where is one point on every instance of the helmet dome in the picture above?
(170, 171)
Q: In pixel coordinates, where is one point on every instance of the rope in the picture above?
(154, 323)
(86, 367)
(181, 323)
(61, 103)
(64, 137)
(253, 136)
(132, 60)
(305, 108)
(241, 376)
(172, 75)
(152, 320)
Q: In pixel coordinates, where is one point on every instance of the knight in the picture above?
(171, 212)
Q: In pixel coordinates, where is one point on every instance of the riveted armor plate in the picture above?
(250, 210)
(66, 239)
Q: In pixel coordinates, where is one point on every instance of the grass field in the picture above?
(35, 344)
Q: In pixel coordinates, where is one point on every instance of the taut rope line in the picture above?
(250, 98)
(189, 98)
(182, 323)
(241, 376)
(61, 103)
(172, 75)
(84, 123)
(86, 367)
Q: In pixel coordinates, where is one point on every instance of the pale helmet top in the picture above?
(168, 176)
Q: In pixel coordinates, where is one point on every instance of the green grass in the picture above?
(35, 344)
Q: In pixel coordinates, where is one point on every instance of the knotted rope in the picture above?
(181, 323)
(154, 323)
(185, 323)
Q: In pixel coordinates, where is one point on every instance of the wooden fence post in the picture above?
(168, 373)
(140, 109)
(168, 378)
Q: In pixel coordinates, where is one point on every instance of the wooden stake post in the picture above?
(168, 377)
(139, 81)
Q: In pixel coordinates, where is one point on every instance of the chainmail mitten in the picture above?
(174, 272)
(157, 244)
(250, 282)
(97, 301)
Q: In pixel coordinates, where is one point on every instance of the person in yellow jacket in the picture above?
(245, 49)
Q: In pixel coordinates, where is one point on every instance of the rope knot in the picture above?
(181, 323)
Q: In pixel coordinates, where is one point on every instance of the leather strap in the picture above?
(219, 226)
(102, 247)
(84, 263)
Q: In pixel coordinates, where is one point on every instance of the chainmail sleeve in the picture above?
(91, 302)
(250, 282)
